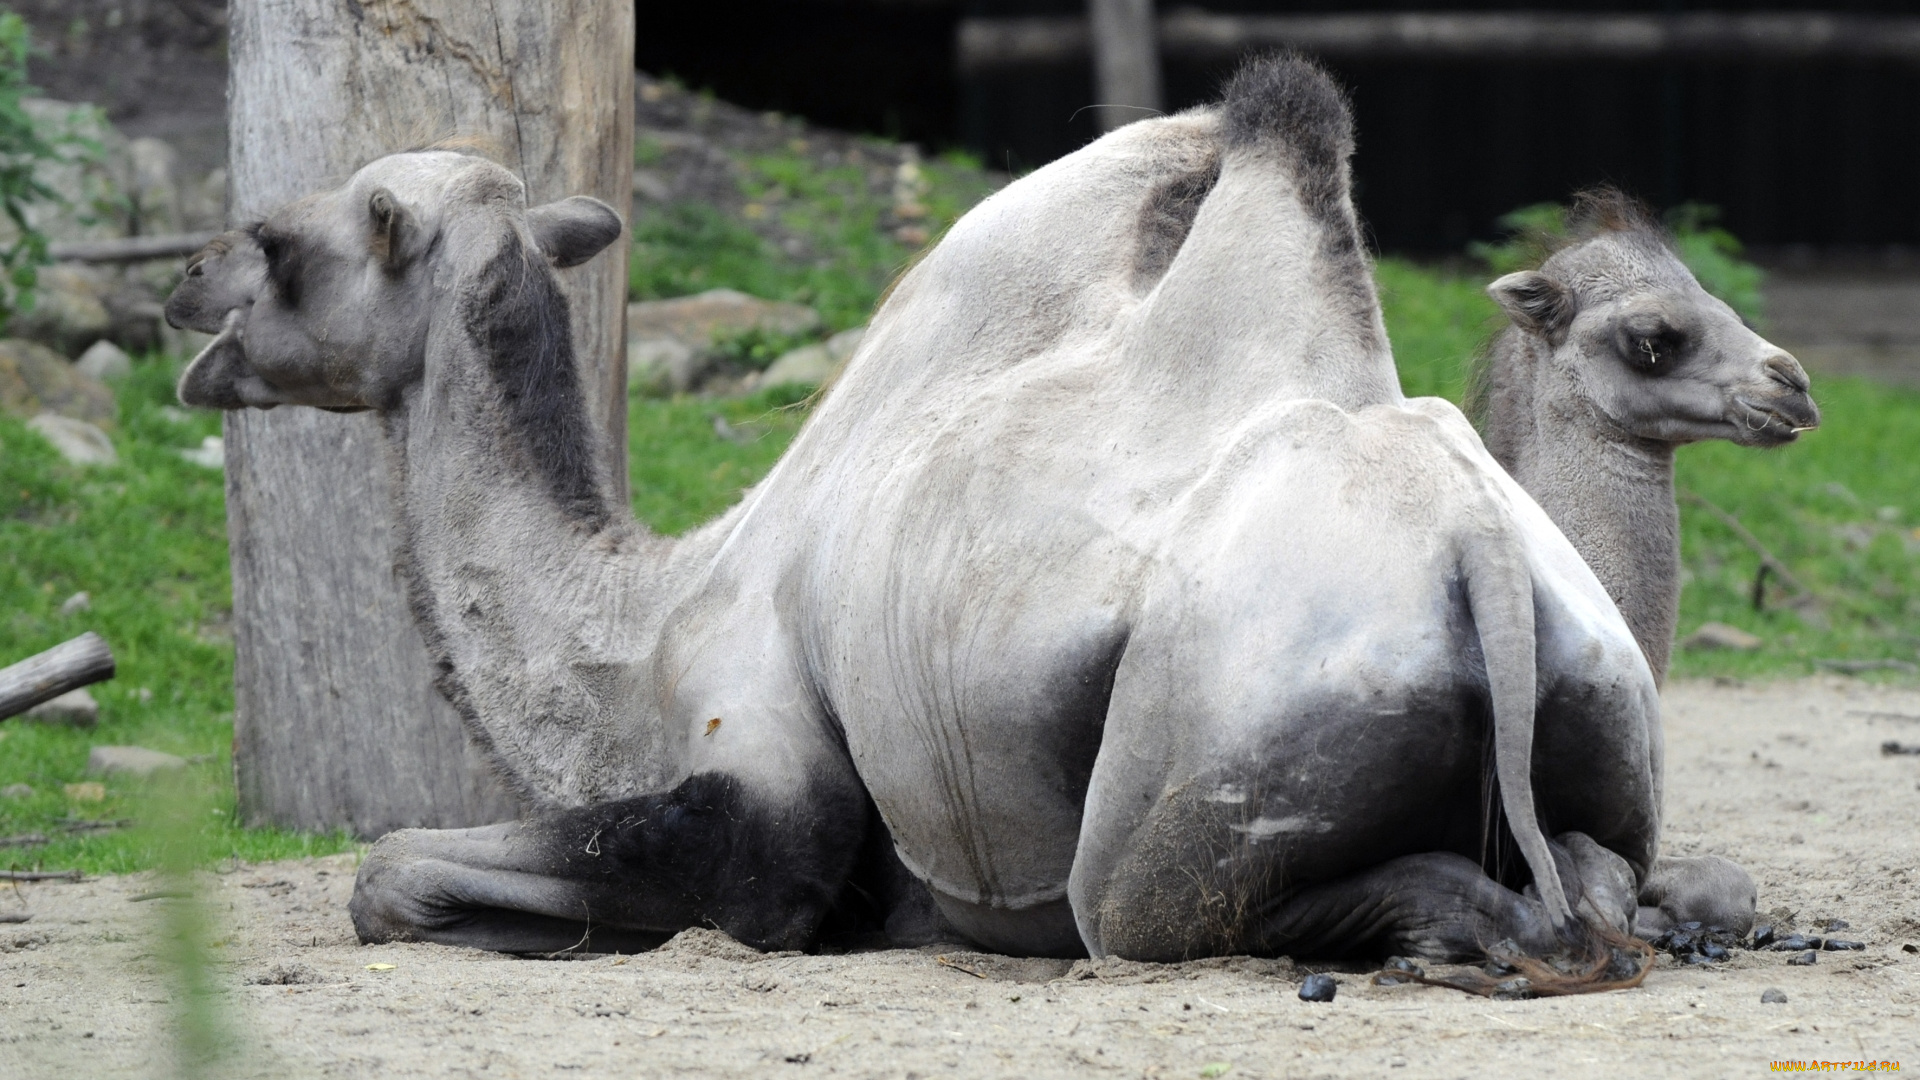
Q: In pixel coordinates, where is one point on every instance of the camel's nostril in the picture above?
(1786, 371)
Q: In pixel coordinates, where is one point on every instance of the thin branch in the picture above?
(1767, 558)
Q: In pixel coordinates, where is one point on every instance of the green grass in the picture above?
(146, 538)
(686, 248)
(683, 473)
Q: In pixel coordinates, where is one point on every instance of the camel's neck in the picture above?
(1609, 492)
(539, 601)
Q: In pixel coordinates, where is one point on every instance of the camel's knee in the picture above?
(1709, 890)
(393, 899)
(1598, 881)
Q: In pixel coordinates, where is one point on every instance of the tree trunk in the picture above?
(1126, 61)
(336, 719)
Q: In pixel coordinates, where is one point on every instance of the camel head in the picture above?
(333, 299)
(1618, 317)
(223, 276)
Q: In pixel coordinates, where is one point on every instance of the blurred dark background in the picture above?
(1815, 153)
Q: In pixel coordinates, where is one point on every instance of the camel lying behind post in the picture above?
(1137, 614)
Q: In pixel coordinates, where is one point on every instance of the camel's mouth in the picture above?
(1772, 423)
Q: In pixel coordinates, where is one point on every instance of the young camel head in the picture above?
(334, 300)
(1619, 320)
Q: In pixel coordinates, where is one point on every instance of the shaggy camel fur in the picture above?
(1137, 616)
(1616, 356)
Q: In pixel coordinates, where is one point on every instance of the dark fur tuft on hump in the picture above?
(1291, 104)
(520, 321)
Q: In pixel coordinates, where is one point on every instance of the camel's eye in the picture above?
(1650, 346)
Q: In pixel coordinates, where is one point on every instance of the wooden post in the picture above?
(336, 719)
(1126, 61)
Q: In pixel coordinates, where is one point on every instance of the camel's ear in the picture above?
(396, 234)
(221, 378)
(574, 230)
(1535, 302)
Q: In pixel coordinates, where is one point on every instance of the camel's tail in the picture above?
(1500, 589)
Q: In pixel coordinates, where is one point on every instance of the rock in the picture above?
(78, 441)
(131, 761)
(105, 361)
(69, 310)
(1773, 995)
(154, 189)
(696, 320)
(660, 364)
(78, 602)
(669, 342)
(1718, 635)
(17, 791)
(1837, 924)
(1805, 959)
(1318, 988)
(35, 379)
(211, 453)
(75, 708)
(1837, 945)
(809, 365)
(813, 364)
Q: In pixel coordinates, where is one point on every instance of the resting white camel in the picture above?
(1134, 614)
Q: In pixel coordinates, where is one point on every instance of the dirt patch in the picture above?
(1788, 779)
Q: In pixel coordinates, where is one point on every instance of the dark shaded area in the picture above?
(158, 67)
(1803, 153)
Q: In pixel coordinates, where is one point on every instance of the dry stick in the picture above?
(1767, 558)
(40, 875)
(69, 666)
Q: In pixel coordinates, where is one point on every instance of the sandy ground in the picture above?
(1788, 779)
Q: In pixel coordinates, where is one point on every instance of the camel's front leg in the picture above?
(619, 875)
(1708, 889)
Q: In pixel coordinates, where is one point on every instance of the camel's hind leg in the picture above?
(623, 874)
(1439, 906)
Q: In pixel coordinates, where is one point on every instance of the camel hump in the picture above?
(1289, 103)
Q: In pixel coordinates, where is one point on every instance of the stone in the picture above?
(670, 342)
(105, 361)
(78, 441)
(1805, 959)
(35, 379)
(77, 603)
(697, 320)
(17, 791)
(813, 364)
(1718, 635)
(69, 309)
(75, 708)
(130, 761)
(810, 365)
(1318, 988)
(1773, 995)
(210, 454)
(660, 364)
(154, 190)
